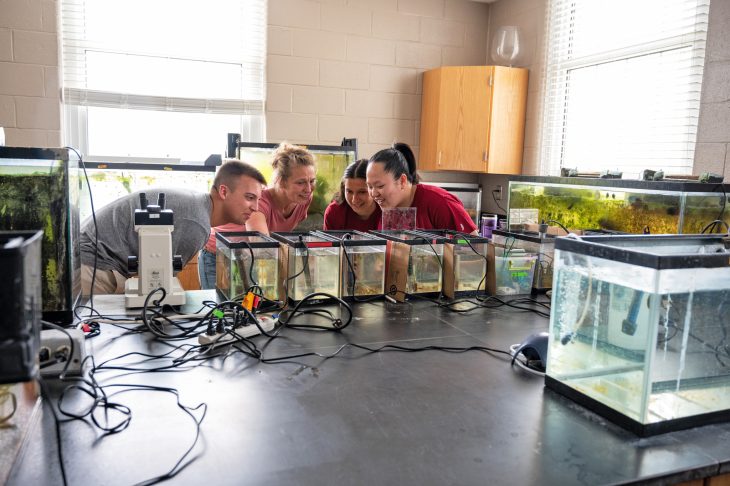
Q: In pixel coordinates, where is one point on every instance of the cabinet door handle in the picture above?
(439, 159)
(484, 157)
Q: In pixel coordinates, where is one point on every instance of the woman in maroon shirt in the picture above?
(353, 208)
(392, 182)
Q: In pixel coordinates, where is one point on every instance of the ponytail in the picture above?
(398, 160)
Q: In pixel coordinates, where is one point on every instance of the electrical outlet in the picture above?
(55, 351)
(498, 192)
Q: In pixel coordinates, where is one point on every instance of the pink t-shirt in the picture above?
(275, 220)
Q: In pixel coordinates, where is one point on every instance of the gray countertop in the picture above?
(430, 417)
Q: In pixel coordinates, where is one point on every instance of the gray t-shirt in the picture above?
(118, 239)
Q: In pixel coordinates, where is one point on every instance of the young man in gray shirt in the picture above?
(232, 199)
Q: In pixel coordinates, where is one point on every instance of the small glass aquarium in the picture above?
(639, 329)
(40, 190)
(308, 263)
(534, 243)
(246, 261)
(414, 263)
(330, 161)
(110, 181)
(624, 206)
(464, 264)
(363, 263)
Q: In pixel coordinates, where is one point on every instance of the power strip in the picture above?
(56, 348)
(266, 323)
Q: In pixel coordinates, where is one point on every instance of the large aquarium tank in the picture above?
(362, 267)
(40, 190)
(244, 261)
(414, 263)
(626, 206)
(330, 161)
(110, 181)
(640, 328)
(308, 263)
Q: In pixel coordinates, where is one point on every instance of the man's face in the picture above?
(241, 199)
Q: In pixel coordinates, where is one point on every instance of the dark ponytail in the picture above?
(398, 160)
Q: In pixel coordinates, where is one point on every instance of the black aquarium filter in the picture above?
(20, 301)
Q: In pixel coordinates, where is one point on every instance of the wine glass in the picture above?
(506, 45)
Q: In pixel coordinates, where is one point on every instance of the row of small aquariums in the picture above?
(349, 264)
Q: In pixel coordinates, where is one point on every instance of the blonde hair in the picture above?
(288, 156)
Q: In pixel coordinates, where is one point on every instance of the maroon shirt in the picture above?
(437, 208)
(342, 217)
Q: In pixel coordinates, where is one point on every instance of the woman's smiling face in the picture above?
(356, 195)
(383, 188)
(300, 184)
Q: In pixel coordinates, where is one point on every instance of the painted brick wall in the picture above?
(352, 68)
(30, 101)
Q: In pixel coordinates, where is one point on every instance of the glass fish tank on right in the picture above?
(640, 329)
(625, 206)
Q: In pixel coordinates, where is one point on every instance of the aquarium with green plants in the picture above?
(413, 263)
(40, 190)
(533, 243)
(110, 181)
(246, 261)
(309, 263)
(362, 266)
(330, 161)
(639, 328)
(625, 206)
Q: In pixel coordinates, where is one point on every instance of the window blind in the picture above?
(623, 82)
(162, 78)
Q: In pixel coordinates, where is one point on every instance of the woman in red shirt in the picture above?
(353, 208)
(392, 182)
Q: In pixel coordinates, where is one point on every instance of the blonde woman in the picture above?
(284, 205)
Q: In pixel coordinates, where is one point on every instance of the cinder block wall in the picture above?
(352, 68)
(30, 100)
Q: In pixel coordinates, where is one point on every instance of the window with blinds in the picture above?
(163, 78)
(623, 85)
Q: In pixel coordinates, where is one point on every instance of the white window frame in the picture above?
(76, 98)
(560, 64)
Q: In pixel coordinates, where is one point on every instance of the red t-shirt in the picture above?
(437, 208)
(341, 217)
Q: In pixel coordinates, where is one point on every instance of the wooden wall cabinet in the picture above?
(473, 119)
